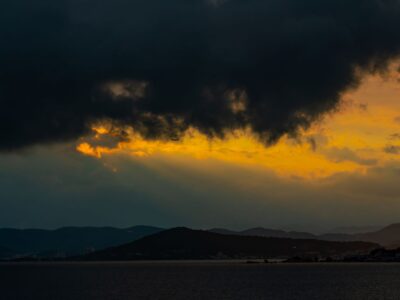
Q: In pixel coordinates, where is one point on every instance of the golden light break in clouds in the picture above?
(364, 133)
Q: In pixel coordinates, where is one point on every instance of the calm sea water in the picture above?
(194, 280)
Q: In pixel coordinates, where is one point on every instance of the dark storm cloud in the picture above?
(163, 65)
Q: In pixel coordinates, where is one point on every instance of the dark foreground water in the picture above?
(194, 280)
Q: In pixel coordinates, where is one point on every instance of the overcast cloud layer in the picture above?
(163, 65)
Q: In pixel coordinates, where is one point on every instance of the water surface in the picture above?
(198, 280)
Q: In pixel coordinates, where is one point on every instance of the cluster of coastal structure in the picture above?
(376, 255)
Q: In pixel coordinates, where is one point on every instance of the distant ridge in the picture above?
(68, 241)
(75, 241)
(388, 236)
(266, 232)
(355, 229)
(224, 231)
(184, 243)
(259, 231)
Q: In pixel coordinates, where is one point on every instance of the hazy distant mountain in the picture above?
(388, 236)
(183, 243)
(69, 240)
(277, 233)
(72, 241)
(355, 229)
(224, 231)
(264, 232)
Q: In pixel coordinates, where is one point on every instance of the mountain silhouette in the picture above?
(68, 241)
(355, 229)
(184, 243)
(265, 232)
(76, 241)
(278, 233)
(388, 236)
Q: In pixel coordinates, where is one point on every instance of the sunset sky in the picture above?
(234, 122)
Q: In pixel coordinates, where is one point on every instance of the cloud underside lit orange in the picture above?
(364, 133)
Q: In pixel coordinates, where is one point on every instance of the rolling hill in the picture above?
(76, 241)
(265, 232)
(184, 243)
(68, 241)
(388, 236)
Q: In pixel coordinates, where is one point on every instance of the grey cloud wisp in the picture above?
(162, 66)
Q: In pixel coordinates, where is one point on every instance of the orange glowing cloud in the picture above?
(351, 140)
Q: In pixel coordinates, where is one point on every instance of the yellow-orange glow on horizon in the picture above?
(351, 140)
